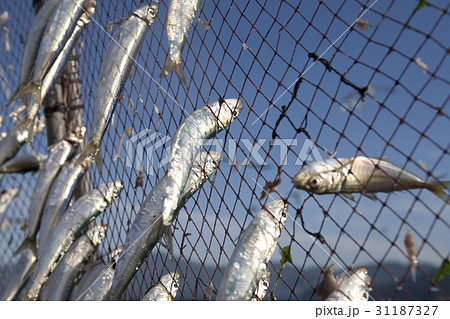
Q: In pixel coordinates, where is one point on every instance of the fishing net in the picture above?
(318, 78)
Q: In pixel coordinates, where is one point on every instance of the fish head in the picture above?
(278, 210)
(97, 233)
(171, 283)
(263, 284)
(228, 111)
(314, 177)
(147, 13)
(89, 7)
(111, 190)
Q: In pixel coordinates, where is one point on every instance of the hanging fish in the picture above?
(116, 66)
(180, 15)
(362, 175)
(190, 136)
(254, 250)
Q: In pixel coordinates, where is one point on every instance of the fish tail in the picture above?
(90, 151)
(438, 188)
(29, 88)
(28, 243)
(169, 66)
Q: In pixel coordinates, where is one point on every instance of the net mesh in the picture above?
(349, 78)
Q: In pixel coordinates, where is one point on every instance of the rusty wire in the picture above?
(263, 52)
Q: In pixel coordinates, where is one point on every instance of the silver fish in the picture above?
(252, 253)
(147, 228)
(56, 158)
(164, 290)
(73, 221)
(39, 88)
(180, 15)
(58, 195)
(361, 175)
(95, 283)
(32, 43)
(114, 71)
(22, 164)
(16, 274)
(193, 132)
(62, 280)
(412, 253)
(352, 288)
(263, 286)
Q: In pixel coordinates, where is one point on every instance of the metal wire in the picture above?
(380, 90)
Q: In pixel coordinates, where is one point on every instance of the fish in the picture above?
(352, 287)
(56, 157)
(16, 274)
(252, 253)
(190, 136)
(165, 289)
(362, 175)
(147, 228)
(62, 280)
(59, 194)
(116, 66)
(95, 283)
(32, 43)
(412, 253)
(70, 226)
(58, 29)
(22, 164)
(180, 15)
(263, 286)
(35, 91)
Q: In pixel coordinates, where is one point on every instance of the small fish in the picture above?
(353, 287)
(63, 278)
(70, 226)
(52, 165)
(32, 43)
(254, 250)
(95, 283)
(412, 253)
(361, 175)
(147, 228)
(263, 286)
(164, 290)
(35, 91)
(59, 194)
(180, 15)
(22, 164)
(190, 136)
(17, 273)
(114, 71)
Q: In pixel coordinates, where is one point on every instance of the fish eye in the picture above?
(265, 284)
(235, 113)
(314, 182)
(283, 214)
(175, 285)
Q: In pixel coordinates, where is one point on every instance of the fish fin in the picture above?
(28, 243)
(438, 188)
(168, 237)
(99, 159)
(29, 88)
(90, 150)
(371, 196)
(348, 196)
(171, 65)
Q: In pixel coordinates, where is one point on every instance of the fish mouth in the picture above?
(299, 181)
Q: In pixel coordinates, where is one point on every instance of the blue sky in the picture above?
(390, 121)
